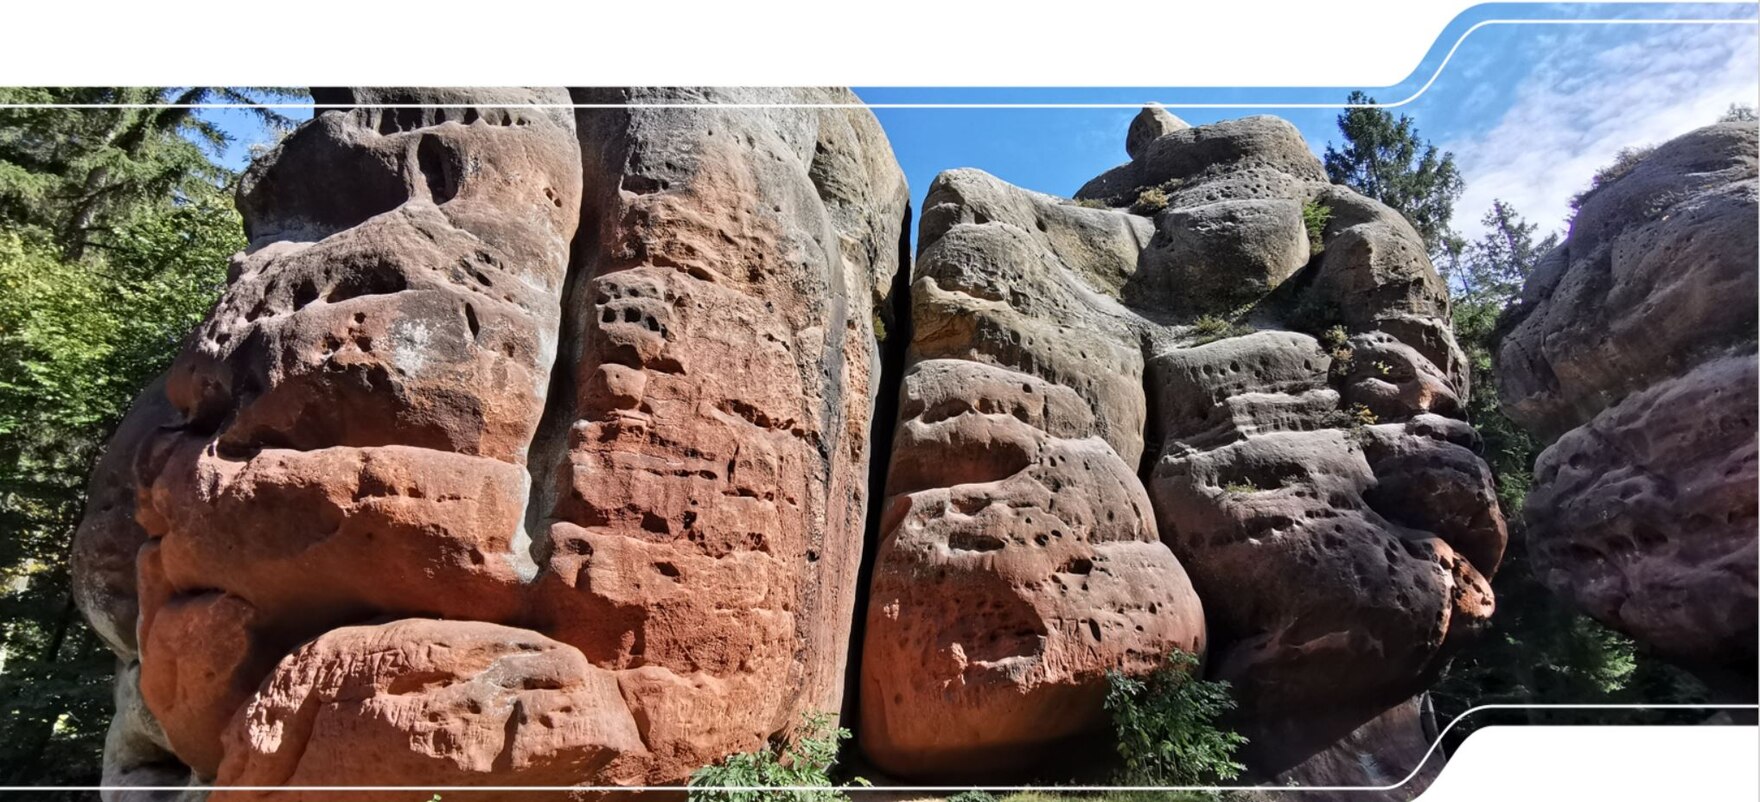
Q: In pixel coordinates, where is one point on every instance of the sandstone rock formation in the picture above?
(525, 446)
(1102, 402)
(1632, 354)
(530, 445)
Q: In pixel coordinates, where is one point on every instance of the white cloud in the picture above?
(1585, 101)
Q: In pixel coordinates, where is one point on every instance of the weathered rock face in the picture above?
(529, 446)
(705, 487)
(525, 446)
(1075, 447)
(1633, 354)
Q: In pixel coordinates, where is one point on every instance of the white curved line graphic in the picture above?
(1395, 104)
(945, 789)
(913, 788)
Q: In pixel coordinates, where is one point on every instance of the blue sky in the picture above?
(1530, 111)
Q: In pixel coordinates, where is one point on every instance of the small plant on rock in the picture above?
(1624, 163)
(1314, 217)
(1344, 358)
(805, 762)
(1210, 328)
(1090, 203)
(1166, 726)
(1149, 201)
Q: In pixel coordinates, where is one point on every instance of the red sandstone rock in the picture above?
(430, 703)
(1018, 567)
(609, 490)
(703, 491)
(496, 464)
(1326, 503)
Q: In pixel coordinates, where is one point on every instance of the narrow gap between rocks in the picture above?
(895, 314)
(549, 444)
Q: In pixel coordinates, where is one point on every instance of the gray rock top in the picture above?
(1150, 124)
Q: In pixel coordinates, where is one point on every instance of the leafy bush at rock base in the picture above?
(805, 762)
(1166, 726)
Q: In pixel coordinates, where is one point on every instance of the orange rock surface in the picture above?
(494, 466)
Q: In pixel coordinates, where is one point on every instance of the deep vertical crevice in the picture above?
(894, 314)
(550, 441)
(1154, 429)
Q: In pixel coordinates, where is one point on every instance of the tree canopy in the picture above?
(1384, 157)
(116, 224)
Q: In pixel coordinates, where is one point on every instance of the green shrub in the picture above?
(807, 762)
(1624, 162)
(1315, 216)
(1338, 346)
(1091, 203)
(1210, 328)
(972, 796)
(1166, 726)
(1075, 795)
(1149, 201)
(1739, 113)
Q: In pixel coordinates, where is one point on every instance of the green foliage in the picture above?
(1540, 650)
(1344, 358)
(1485, 278)
(1240, 488)
(1075, 795)
(1091, 203)
(1739, 113)
(1623, 164)
(807, 761)
(1508, 448)
(1210, 328)
(1149, 201)
(1315, 215)
(973, 796)
(1384, 157)
(1166, 727)
(74, 173)
(115, 230)
(78, 340)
